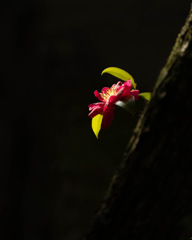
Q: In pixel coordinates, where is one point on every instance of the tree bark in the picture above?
(150, 196)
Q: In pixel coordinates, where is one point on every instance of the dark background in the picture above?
(54, 172)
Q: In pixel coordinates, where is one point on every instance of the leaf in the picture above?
(96, 124)
(146, 95)
(128, 106)
(117, 72)
(121, 74)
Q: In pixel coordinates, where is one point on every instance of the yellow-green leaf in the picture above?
(96, 124)
(121, 74)
(146, 95)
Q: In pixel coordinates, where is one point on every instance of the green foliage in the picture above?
(121, 74)
(96, 124)
(146, 96)
(128, 106)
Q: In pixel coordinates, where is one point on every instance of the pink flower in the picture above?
(108, 98)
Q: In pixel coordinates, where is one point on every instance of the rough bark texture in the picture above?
(151, 195)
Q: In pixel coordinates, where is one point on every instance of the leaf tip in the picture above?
(96, 124)
(146, 96)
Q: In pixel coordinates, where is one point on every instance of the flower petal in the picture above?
(128, 84)
(108, 116)
(125, 90)
(120, 92)
(95, 111)
(94, 105)
(135, 93)
(111, 101)
(104, 89)
(118, 85)
(96, 124)
(97, 94)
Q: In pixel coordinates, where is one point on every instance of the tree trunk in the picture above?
(151, 195)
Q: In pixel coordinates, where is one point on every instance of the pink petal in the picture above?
(116, 86)
(135, 93)
(93, 105)
(120, 92)
(97, 94)
(108, 116)
(128, 83)
(104, 89)
(97, 110)
(126, 92)
(111, 101)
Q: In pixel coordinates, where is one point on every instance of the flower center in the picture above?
(108, 93)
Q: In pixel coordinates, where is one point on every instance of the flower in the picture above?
(119, 94)
(109, 97)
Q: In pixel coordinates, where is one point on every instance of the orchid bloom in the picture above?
(102, 112)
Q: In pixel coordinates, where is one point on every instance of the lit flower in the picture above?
(119, 94)
(109, 97)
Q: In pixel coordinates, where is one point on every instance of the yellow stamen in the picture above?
(107, 94)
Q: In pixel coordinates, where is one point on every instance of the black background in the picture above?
(54, 172)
